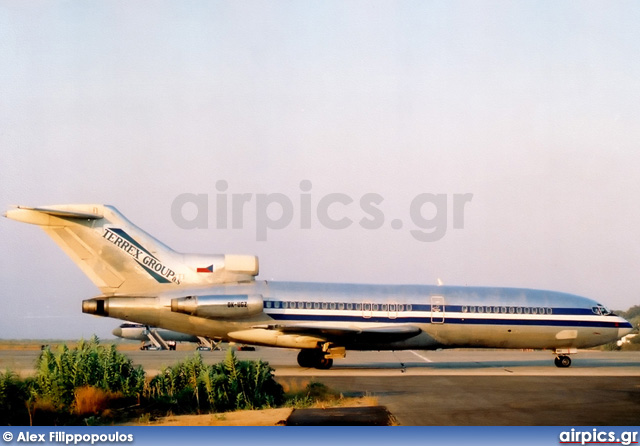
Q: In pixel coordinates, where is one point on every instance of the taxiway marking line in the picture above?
(421, 357)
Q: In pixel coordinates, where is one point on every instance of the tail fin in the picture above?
(120, 258)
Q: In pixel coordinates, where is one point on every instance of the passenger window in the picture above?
(383, 307)
(340, 306)
(333, 305)
(549, 311)
(480, 309)
(400, 307)
(374, 307)
(349, 306)
(316, 305)
(309, 305)
(503, 309)
(358, 307)
(324, 305)
(512, 310)
(526, 310)
(409, 307)
(534, 310)
(267, 304)
(519, 310)
(464, 309)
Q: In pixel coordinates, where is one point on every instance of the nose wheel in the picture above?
(562, 361)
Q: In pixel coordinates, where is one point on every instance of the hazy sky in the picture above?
(532, 107)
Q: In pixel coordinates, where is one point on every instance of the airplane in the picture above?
(218, 296)
(158, 339)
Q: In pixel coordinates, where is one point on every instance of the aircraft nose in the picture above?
(117, 332)
(625, 328)
(624, 331)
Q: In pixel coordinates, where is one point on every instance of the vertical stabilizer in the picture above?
(120, 258)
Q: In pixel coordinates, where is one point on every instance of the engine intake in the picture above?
(219, 306)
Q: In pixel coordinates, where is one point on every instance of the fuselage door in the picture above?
(437, 309)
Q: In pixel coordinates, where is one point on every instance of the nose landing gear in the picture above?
(562, 361)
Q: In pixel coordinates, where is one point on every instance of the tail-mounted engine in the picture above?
(234, 306)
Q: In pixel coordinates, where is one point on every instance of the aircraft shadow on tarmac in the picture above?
(585, 363)
(441, 365)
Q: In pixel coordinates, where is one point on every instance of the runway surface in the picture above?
(451, 387)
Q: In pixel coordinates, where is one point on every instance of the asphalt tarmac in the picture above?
(451, 387)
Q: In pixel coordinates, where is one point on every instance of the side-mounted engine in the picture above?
(235, 306)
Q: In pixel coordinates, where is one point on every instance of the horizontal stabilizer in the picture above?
(87, 212)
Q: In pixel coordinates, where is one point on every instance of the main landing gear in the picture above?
(314, 358)
(322, 356)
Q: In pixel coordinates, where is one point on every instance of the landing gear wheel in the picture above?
(314, 358)
(324, 363)
(562, 361)
(306, 358)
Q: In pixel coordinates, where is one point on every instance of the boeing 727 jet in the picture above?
(217, 296)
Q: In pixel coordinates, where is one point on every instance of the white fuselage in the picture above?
(446, 316)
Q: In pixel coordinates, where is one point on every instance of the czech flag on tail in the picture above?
(207, 269)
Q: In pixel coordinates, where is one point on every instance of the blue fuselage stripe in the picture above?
(449, 320)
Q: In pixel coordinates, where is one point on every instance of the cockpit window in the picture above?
(601, 309)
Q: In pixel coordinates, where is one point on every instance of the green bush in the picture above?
(231, 385)
(72, 382)
(13, 396)
(235, 385)
(59, 373)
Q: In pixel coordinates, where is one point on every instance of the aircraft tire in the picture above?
(562, 361)
(306, 358)
(314, 358)
(324, 363)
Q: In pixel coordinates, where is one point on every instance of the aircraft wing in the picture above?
(388, 333)
(308, 335)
